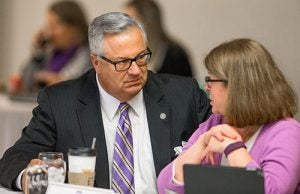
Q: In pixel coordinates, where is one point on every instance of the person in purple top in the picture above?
(252, 123)
(60, 49)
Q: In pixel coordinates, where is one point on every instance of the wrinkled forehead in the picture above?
(129, 38)
(127, 44)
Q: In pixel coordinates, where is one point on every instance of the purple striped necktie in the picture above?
(123, 166)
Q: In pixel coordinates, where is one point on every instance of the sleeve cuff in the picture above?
(253, 164)
(174, 181)
(18, 180)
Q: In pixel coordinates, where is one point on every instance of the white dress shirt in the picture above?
(144, 170)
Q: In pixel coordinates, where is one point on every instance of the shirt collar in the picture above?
(110, 104)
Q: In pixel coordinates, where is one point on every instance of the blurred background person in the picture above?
(60, 49)
(167, 55)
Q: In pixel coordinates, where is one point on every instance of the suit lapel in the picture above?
(158, 116)
(90, 119)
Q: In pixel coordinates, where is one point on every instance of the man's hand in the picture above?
(24, 182)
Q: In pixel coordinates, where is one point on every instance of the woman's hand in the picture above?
(217, 139)
(218, 146)
(238, 158)
(220, 132)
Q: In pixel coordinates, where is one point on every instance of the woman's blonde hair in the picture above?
(258, 93)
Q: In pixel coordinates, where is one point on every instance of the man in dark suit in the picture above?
(164, 109)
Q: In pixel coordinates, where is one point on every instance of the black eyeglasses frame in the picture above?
(128, 59)
(209, 80)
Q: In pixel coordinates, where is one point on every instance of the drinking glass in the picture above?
(37, 179)
(55, 165)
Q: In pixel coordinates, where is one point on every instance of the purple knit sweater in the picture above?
(276, 151)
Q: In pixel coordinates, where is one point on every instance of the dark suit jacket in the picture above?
(69, 115)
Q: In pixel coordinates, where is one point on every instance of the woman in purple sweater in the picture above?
(252, 124)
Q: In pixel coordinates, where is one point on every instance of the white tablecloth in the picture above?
(6, 191)
(14, 116)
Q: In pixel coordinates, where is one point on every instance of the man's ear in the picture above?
(94, 61)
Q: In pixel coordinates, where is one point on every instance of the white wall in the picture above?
(198, 24)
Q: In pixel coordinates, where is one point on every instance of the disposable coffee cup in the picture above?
(82, 162)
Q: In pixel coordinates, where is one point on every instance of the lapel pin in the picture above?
(162, 115)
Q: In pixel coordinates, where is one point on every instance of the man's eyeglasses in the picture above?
(125, 64)
(208, 81)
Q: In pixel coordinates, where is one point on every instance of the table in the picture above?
(14, 116)
(7, 191)
(64, 188)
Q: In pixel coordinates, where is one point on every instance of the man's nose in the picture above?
(134, 68)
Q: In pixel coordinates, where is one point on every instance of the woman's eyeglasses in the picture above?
(208, 81)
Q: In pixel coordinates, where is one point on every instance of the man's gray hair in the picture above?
(111, 23)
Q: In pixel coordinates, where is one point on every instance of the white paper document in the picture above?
(54, 188)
